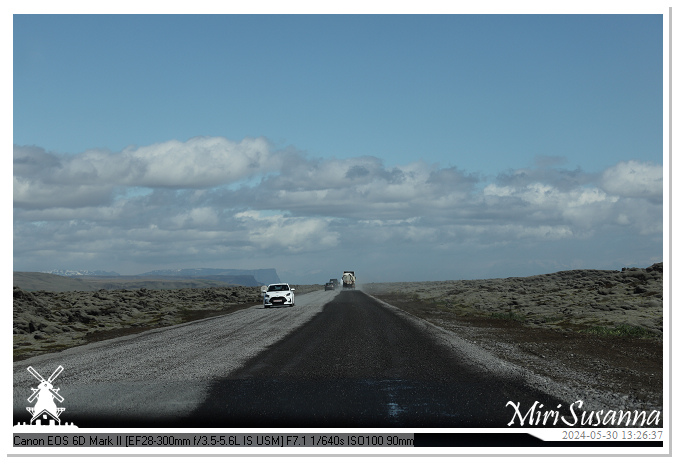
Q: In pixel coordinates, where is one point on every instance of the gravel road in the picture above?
(362, 364)
(334, 360)
(163, 373)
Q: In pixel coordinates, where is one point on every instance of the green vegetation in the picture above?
(622, 330)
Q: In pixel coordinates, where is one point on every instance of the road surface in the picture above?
(337, 359)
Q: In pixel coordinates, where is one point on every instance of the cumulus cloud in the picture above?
(32, 160)
(200, 162)
(44, 180)
(634, 179)
(211, 198)
(362, 188)
(38, 194)
(288, 234)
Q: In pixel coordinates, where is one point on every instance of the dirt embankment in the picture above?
(52, 321)
(600, 333)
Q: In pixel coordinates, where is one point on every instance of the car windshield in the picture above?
(278, 288)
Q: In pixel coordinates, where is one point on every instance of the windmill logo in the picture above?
(45, 411)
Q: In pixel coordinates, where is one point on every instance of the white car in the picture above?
(279, 295)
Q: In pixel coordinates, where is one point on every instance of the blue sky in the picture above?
(412, 147)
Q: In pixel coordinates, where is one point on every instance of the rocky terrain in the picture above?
(596, 333)
(46, 321)
(628, 300)
(34, 281)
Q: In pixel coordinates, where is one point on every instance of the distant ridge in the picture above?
(262, 276)
(68, 273)
(44, 281)
(66, 280)
(34, 281)
(163, 282)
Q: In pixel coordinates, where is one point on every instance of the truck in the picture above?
(349, 280)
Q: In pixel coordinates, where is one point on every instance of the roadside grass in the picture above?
(622, 330)
(466, 311)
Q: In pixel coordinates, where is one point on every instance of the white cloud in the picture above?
(89, 178)
(196, 218)
(279, 233)
(199, 163)
(213, 199)
(34, 193)
(634, 179)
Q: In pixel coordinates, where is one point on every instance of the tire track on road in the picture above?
(361, 364)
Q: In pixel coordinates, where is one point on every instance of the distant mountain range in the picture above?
(261, 276)
(67, 273)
